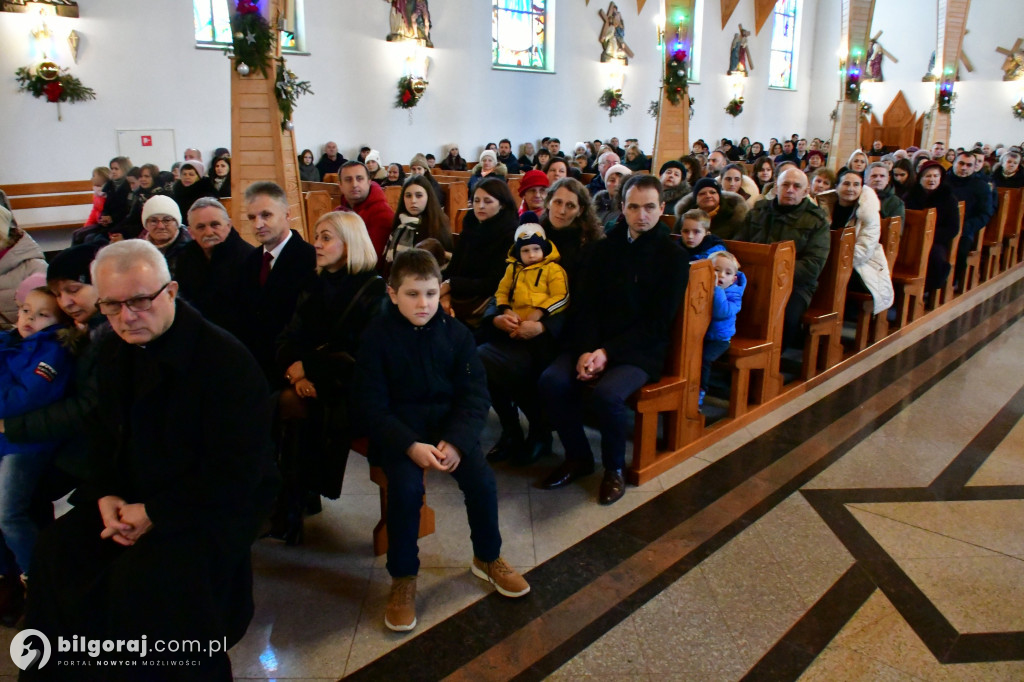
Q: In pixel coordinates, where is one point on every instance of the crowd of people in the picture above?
(188, 385)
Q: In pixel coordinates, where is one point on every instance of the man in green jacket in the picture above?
(879, 179)
(792, 216)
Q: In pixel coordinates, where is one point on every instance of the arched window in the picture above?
(522, 35)
(782, 69)
(212, 20)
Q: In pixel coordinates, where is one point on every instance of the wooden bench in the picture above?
(460, 217)
(318, 202)
(333, 190)
(937, 297)
(677, 394)
(824, 316)
(456, 198)
(36, 195)
(872, 328)
(972, 275)
(393, 193)
(908, 276)
(756, 349)
(992, 244)
(330, 177)
(668, 220)
(1014, 218)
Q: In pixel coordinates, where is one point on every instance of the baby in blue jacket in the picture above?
(730, 285)
(35, 367)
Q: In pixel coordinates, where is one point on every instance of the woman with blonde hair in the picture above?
(316, 353)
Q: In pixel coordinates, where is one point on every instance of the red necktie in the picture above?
(265, 268)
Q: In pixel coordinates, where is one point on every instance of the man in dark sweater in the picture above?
(979, 204)
(618, 336)
(506, 157)
(331, 161)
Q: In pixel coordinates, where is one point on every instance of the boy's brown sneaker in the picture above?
(506, 580)
(400, 614)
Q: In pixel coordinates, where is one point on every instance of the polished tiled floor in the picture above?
(868, 530)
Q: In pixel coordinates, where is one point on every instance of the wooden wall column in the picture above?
(672, 132)
(854, 34)
(951, 28)
(260, 148)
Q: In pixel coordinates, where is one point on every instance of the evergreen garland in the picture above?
(612, 101)
(1018, 110)
(252, 37)
(410, 92)
(675, 80)
(734, 107)
(287, 89)
(63, 87)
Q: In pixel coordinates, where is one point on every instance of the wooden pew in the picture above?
(228, 203)
(972, 275)
(585, 178)
(34, 195)
(333, 190)
(456, 197)
(912, 265)
(330, 177)
(1011, 234)
(992, 244)
(393, 193)
(668, 220)
(873, 328)
(755, 351)
(513, 185)
(676, 395)
(824, 316)
(318, 202)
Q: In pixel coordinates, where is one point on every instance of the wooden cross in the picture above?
(881, 49)
(1013, 67)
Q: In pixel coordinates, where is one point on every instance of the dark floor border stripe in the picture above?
(580, 564)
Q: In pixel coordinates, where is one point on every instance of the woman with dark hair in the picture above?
(308, 172)
(755, 152)
(131, 226)
(419, 166)
(694, 169)
(932, 191)
(192, 184)
(396, 175)
(903, 177)
(517, 353)
(635, 159)
(419, 216)
(556, 168)
(744, 144)
(453, 161)
(478, 261)
(220, 176)
(776, 151)
(763, 172)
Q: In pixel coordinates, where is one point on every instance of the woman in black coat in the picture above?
(220, 176)
(191, 184)
(478, 262)
(316, 354)
(932, 191)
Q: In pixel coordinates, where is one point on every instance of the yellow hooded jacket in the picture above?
(542, 285)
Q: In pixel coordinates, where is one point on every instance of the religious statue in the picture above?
(964, 59)
(739, 54)
(1013, 66)
(410, 20)
(876, 53)
(613, 36)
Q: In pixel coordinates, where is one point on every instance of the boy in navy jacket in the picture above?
(695, 230)
(422, 394)
(730, 285)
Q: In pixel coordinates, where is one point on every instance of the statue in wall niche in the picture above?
(1013, 65)
(613, 36)
(933, 74)
(876, 53)
(739, 54)
(410, 20)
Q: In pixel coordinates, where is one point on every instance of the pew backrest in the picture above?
(691, 323)
(318, 202)
(892, 228)
(72, 201)
(831, 292)
(1014, 211)
(769, 272)
(997, 223)
(393, 194)
(916, 242)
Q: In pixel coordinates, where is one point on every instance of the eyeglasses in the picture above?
(137, 304)
(166, 220)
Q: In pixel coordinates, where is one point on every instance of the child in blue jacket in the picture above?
(730, 285)
(35, 367)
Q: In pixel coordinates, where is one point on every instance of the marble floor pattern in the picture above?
(870, 529)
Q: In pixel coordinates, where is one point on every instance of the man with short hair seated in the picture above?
(972, 188)
(331, 161)
(181, 479)
(604, 162)
(717, 161)
(209, 265)
(880, 180)
(506, 157)
(791, 215)
(367, 200)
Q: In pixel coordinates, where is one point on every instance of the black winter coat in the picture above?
(419, 384)
(478, 262)
(325, 165)
(979, 202)
(942, 199)
(1015, 181)
(629, 298)
(212, 286)
(186, 196)
(118, 200)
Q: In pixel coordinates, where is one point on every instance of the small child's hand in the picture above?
(452, 456)
(426, 456)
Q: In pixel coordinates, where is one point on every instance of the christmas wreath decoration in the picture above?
(252, 38)
(410, 92)
(734, 107)
(612, 101)
(52, 82)
(1018, 110)
(287, 90)
(946, 98)
(865, 110)
(675, 80)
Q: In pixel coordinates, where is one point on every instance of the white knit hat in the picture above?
(617, 168)
(372, 155)
(490, 153)
(161, 204)
(198, 165)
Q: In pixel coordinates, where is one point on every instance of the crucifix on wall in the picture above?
(1013, 67)
(873, 70)
(613, 36)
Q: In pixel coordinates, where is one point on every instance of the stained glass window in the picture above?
(782, 69)
(212, 19)
(520, 35)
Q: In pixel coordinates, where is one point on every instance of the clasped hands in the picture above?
(590, 365)
(122, 522)
(518, 328)
(443, 457)
(296, 376)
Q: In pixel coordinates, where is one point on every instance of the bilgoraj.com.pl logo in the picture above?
(30, 650)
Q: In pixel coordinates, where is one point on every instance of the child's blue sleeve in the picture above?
(43, 381)
(726, 303)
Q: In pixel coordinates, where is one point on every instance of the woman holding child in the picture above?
(316, 354)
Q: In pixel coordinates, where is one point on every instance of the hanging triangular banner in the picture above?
(762, 10)
(640, 5)
(728, 7)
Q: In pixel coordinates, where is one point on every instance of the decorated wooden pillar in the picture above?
(854, 36)
(261, 146)
(948, 48)
(672, 131)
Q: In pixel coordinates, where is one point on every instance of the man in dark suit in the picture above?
(272, 276)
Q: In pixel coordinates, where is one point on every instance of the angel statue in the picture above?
(410, 20)
(876, 52)
(739, 54)
(613, 36)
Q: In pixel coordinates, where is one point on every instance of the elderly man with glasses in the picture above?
(158, 543)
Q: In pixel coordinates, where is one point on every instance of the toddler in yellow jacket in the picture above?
(534, 284)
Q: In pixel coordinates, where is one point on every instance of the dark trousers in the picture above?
(513, 368)
(712, 351)
(405, 497)
(564, 395)
(793, 325)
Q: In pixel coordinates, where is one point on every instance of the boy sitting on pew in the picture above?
(730, 284)
(695, 229)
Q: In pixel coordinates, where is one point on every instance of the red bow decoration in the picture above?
(53, 91)
(679, 56)
(247, 7)
(613, 103)
(406, 96)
